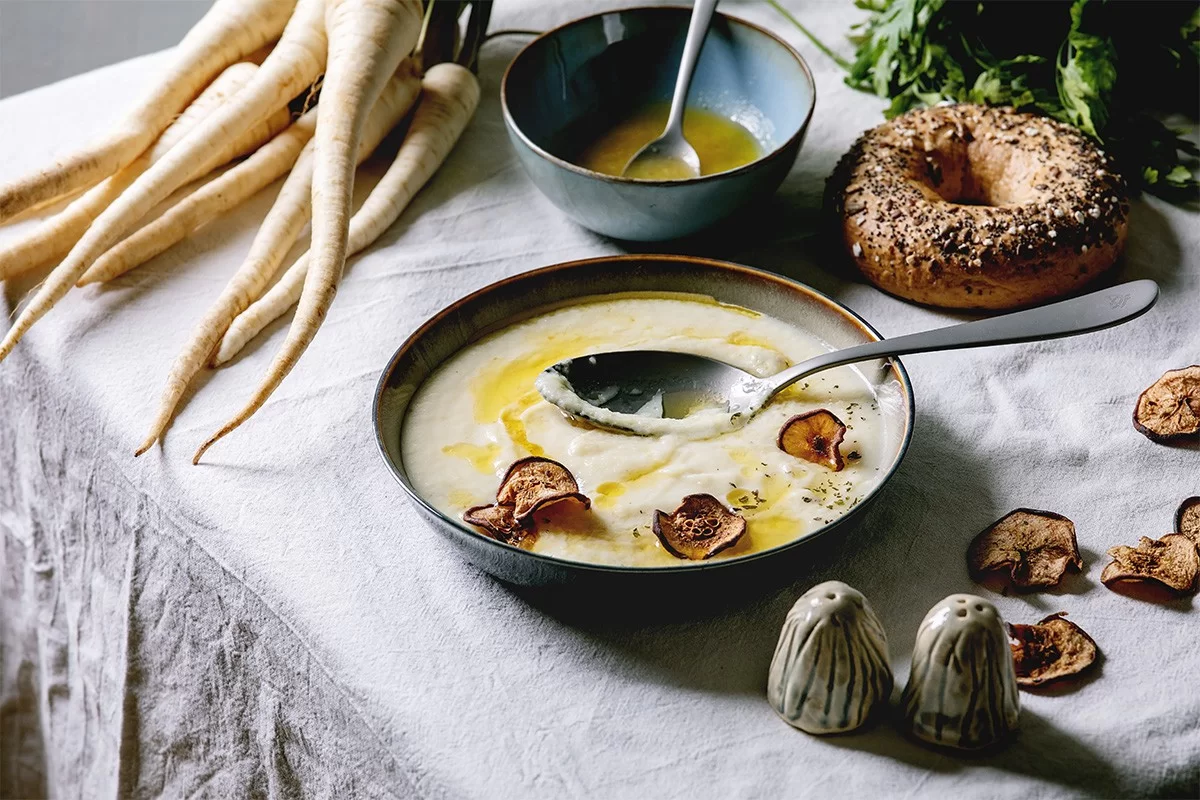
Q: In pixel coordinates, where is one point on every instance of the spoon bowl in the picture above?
(651, 383)
(669, 157)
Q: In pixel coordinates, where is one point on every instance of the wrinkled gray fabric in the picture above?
(279, 622)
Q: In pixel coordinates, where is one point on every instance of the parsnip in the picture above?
(277, 234)
(54, 238)
(292, 65)
(198, 209)
(449, 95)
(231, 30)
(368, 38)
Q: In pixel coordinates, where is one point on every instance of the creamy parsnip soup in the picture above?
(479, 413)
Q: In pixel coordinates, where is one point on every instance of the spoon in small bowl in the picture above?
(670, 156)
(654, 392)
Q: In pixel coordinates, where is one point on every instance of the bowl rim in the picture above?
(458, 526)
(794, 139)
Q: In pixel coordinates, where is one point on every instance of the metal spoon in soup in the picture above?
(656, 392)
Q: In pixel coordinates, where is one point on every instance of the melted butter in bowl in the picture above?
(721, 144)
(479, 412)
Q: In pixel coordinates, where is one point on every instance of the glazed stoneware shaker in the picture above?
(962, 691)
(830, 672)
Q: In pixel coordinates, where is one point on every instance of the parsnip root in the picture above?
(231, 30)
(160, 175)
(292, 65)
(53, 238)
(193, 212)
(275, 237)
(449, 95)
(354, 76)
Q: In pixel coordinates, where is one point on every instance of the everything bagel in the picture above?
(967, 206)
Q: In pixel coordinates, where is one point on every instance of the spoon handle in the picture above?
(702, 13)
(1091, 312)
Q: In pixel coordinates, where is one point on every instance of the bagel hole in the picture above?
(978, 174)
(969, 201)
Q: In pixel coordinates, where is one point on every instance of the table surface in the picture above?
(280, 620)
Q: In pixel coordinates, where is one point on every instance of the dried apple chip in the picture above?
(1053, 648)
(533, 482)
(499, 522)
(1187, 519)
(1170, 408)
(1171, 561)
(1034, 547)
(700, 528)
(814, 436)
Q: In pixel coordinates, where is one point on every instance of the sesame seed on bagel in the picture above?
(968, 206)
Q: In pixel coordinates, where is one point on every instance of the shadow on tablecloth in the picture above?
(906, 548)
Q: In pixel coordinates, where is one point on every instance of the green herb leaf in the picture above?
(1106, 67)
(1087, 73)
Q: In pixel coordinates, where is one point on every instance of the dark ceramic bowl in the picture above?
(514, 298)
(579, 79)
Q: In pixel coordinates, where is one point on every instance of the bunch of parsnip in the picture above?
(166, 171)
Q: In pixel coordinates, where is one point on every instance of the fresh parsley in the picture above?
(1112, 68)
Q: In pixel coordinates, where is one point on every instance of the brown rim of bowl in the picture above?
(512, 124)
(896, 367)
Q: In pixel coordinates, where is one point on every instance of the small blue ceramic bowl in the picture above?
(577, 80)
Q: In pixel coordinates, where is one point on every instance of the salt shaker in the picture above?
(962, 691)
(830, 671)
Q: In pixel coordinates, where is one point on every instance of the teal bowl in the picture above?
(579, 79)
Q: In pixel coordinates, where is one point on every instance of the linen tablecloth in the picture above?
(279, 622)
